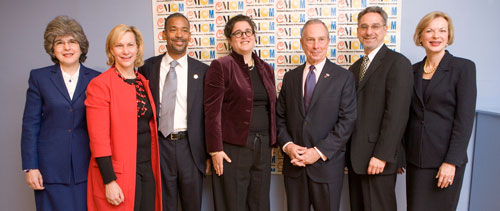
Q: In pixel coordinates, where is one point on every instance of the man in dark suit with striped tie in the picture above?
(384, 82)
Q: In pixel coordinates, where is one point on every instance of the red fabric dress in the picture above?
(112, 124)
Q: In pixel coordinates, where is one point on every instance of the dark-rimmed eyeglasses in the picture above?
(238, 33)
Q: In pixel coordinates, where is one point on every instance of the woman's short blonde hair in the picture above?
(426, 20)
(62, 26)
(115, 34)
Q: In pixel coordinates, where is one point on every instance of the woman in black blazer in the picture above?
(441, 119)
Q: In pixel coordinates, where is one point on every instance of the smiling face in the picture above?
(434, 37)
(371, 31)
(314, 42)
(242, 45)
(67, 50)
(124, 51)
(177, 35)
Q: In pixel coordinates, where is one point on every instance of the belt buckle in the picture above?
(173, 137)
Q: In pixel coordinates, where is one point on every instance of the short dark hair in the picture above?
(173, 15)
(61, 26)
(228, 29)
(375, 9)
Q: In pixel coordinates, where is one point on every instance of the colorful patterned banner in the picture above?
(279, 24)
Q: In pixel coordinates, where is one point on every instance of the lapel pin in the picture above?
(327, 75)
(195, 76)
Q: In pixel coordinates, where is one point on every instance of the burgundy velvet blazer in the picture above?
(228, 101)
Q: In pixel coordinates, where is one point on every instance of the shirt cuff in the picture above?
(323, 157)
(284, 146)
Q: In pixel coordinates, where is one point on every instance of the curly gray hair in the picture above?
(61, 26)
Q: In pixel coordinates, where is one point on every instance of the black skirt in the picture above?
(422, 192)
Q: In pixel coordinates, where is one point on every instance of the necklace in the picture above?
(251, 65)
(139, 90)
(429, 66)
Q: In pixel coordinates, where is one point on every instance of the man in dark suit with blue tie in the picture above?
(384, 87)
(316, 112)
(176, 82)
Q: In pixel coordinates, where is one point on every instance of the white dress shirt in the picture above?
(180, 115)
(70, 81)
(372, 54)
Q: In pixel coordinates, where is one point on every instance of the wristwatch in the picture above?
(27, 170)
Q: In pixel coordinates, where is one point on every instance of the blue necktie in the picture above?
(309, 86)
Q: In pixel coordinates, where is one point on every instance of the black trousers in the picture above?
(180, 176)
(245, 184)
(422, 192)
(302, 192)
(372, 192)
(145, 187)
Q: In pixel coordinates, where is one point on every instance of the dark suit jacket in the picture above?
(195, 118)
(327, 125)
(229, 100)
(383, 98)
(54, 135)
(441, 121)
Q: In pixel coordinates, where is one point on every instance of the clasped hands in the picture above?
(301, 156)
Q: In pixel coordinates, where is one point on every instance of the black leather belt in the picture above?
(178, 135)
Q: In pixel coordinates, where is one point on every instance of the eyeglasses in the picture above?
(238, 33)
(61, 43)
(374, 27)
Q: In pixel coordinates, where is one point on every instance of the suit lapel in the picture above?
(355, 71)
(154, 81)
(441, 73)
(194, 79)
(417, 88)
(324, 80)
(83, 80)
(300, 91)
(377, 61)
(58, 82)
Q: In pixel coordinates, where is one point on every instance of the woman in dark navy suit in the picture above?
(55, 142)
(441, 119)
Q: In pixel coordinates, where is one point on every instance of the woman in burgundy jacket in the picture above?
(240, 124)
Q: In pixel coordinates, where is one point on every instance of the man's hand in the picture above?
(34, 179)
(376, 166)
(310, 156)
(294, 150)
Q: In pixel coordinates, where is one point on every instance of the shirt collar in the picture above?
(182, 61)
(66, 75)
(319, 66)
(372, 54)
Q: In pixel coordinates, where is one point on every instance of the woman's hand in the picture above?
(34, 179)
(218, 162)
(445, 175)
(114, 193)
